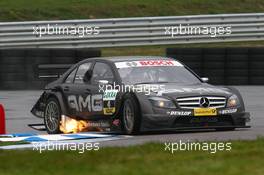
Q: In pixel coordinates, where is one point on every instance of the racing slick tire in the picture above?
(131, 117)
(52, 116)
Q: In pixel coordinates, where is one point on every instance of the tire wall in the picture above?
(224, 66)
(19, 68)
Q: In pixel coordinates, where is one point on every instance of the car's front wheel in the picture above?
(52, 116)
(131, 116)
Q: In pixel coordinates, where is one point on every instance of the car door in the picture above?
(67, 88)
(78, 93)
(102, 81)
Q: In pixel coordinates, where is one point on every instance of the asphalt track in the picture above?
(19, 103)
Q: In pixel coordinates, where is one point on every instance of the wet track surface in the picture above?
(19, 103)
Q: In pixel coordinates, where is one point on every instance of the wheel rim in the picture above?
(52, 116)
(128, 116)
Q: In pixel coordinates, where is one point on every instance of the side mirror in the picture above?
(103, 82)
(87, 76)
(205, 79)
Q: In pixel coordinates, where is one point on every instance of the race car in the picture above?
(133, 94)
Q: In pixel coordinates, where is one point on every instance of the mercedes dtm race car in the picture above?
(136, 94)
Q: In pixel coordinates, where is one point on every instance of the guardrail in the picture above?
(132, 31)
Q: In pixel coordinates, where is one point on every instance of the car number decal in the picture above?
(109, 101)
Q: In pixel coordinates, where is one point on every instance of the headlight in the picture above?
(161, 102)
(233, 101)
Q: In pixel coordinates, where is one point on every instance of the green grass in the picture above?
(161, 50)
(12, 143)
(246, 157)
(20, 10)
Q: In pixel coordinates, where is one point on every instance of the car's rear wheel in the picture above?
(52, 116)
(131, 116)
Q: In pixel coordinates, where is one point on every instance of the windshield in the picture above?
(157, 74)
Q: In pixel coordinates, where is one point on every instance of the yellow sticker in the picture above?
(205, 112)
(109, 111)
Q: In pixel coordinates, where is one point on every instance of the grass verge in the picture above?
(20, 10)
(246, 157)
(161, 50)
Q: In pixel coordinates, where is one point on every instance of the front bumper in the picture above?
(167, 122)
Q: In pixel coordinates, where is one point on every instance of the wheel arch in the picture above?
(59, 97)
(137, 113)
(121, 104)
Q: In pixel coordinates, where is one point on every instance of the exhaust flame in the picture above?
(70, 125)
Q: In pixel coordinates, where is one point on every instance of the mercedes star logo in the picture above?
(131, 64)
(204, 102)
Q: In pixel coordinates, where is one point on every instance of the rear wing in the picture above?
(48, 72)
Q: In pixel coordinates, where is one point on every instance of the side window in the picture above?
(102, 71)
(81, 71)
(70, 77)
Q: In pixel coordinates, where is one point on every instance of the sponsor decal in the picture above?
(100, 124)
(205, 112)
(157, 63)
(190, 90)
(89, 103)
(228, 111)
(180, 113)
(204, 120)
(109, 111)
(109, 101)
(146, 63)
(109, 107)
(110, 95)
(116, 122)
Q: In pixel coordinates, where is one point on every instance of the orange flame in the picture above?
(70, 125)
